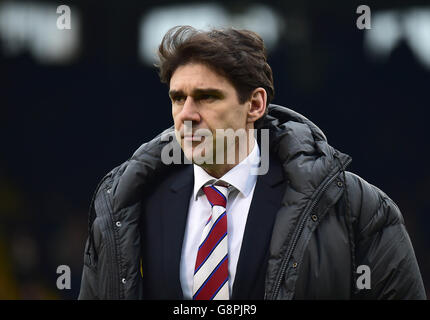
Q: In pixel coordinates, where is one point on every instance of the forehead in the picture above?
(197, 75)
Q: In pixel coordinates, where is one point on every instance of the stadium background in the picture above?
(76, 103)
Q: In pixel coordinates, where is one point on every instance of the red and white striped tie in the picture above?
(211, 270)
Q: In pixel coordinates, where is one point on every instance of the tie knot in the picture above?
(217, 195)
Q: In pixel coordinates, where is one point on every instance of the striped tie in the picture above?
(211, 270)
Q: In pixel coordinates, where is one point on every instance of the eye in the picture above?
(207, 97)
(178, 99)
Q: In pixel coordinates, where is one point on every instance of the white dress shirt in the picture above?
(241, 190)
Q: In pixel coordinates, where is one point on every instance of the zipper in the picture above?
(94, 197)
(114, 275)
(305, 217)
(91, 216)
(107, 221)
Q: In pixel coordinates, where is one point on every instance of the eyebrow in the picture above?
(198, 92)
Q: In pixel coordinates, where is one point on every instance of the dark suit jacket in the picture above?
(163, 227)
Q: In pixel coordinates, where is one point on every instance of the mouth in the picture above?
(192, 138)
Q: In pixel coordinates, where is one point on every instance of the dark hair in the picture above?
(238, 55)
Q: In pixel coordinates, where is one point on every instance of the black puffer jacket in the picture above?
(329, 223)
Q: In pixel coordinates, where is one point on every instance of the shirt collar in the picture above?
(239, 176)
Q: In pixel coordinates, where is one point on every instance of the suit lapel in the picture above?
(251, 267)
(174, 215)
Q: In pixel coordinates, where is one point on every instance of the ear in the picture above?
(257, 105)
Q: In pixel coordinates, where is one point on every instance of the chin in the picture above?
(197, 155)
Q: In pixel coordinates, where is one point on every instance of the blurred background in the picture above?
(79, 95)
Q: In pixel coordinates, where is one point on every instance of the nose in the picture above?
(189, 111)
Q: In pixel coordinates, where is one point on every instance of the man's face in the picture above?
(206, 100)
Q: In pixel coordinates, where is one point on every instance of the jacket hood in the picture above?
(299, 144)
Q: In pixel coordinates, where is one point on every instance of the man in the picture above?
(221, 228)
